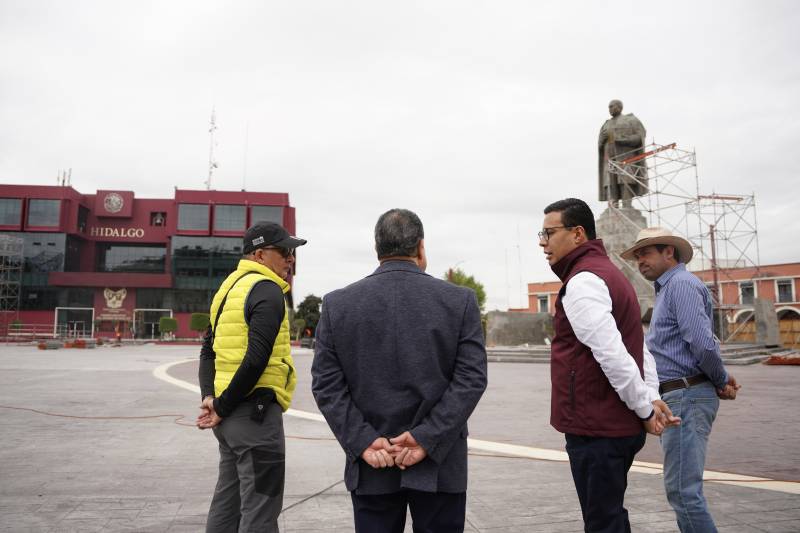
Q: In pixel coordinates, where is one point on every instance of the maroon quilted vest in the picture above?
(583, 402)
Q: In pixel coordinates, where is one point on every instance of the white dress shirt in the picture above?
(587, 304)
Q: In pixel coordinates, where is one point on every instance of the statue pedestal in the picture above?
(618, 228)
(514, 329)
(767, 329)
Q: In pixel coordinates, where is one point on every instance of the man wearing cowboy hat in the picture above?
(691, 375)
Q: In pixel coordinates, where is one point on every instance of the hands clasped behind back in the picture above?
(730, 389)
(401, 451)
(208, 417)
(662, 418)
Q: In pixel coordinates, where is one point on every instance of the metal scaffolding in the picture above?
(11, 265)
(722, 228)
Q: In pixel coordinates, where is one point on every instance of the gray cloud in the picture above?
(474, 114)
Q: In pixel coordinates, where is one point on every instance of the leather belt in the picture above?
(681, 383)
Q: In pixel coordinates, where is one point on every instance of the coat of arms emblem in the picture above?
(113, 202)
(114, 299)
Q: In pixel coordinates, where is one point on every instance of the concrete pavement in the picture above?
(157, 474)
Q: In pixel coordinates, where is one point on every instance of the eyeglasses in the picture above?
(545, 234)
(285, 252)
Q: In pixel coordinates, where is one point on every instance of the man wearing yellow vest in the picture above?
(247, 379)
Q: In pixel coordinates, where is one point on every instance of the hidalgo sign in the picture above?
(131, 233)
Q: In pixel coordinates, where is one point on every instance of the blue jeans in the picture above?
(685, 455)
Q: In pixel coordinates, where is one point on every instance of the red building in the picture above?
(737, 286)
(110, 262)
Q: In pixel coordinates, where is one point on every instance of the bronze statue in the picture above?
(621, 138)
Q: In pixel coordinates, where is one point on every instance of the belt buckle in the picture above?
(686, 382)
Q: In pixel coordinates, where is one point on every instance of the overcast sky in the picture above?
(473, 114)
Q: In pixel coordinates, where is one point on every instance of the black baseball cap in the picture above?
(263, 234)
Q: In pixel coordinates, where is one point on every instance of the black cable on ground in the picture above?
(177, 418)
(318, 493)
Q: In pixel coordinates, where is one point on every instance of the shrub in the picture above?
(199, 322)
(167, 324)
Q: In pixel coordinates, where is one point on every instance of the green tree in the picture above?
(308, 310)
(298, 325)
(457, 276)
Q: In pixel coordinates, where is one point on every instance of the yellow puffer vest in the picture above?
(230, 336)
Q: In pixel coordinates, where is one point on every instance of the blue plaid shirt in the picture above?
(681, 336)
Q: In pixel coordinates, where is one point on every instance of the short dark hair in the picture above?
(675, 253)
(397, 234)
(574, 212)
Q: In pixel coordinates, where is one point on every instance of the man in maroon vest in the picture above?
(604, 382)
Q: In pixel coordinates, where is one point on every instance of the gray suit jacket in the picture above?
(400, 350)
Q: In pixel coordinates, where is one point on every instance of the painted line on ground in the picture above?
(541, 454)
(161, 372)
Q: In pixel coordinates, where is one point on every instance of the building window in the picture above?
(747, 292)
(44, 252)
(150, 298)
(712, 290)
(206, 257)
(72, 257)
(78, 297)
(83, 217)
(266, 213)
(229, 218)
(37, 299)
(544, 304)
(10, 211)
(192, 301)
(158, 218)
(785, 290)
(130, 258)
(44, 212)
(193, 217)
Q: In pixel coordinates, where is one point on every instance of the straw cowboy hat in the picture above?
(651, 236)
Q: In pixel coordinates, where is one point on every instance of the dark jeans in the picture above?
(600, 471)
(431, 512)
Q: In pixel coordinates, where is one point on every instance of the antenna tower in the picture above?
(212, 163)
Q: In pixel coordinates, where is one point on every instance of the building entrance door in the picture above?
(145, 322)
(74, 322)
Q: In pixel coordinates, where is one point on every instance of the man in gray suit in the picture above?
(399, 366)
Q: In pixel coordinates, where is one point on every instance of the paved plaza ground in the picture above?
(97, 468)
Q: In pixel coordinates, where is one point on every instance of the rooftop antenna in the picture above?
(212, 164)
(64, 178)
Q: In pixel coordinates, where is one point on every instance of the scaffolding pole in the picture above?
(722, 228)
(11, 266)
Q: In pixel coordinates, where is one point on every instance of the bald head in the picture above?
(615, 107)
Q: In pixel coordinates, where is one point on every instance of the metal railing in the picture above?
(29, 332)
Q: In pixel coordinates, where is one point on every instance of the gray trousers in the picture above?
(249, 491)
